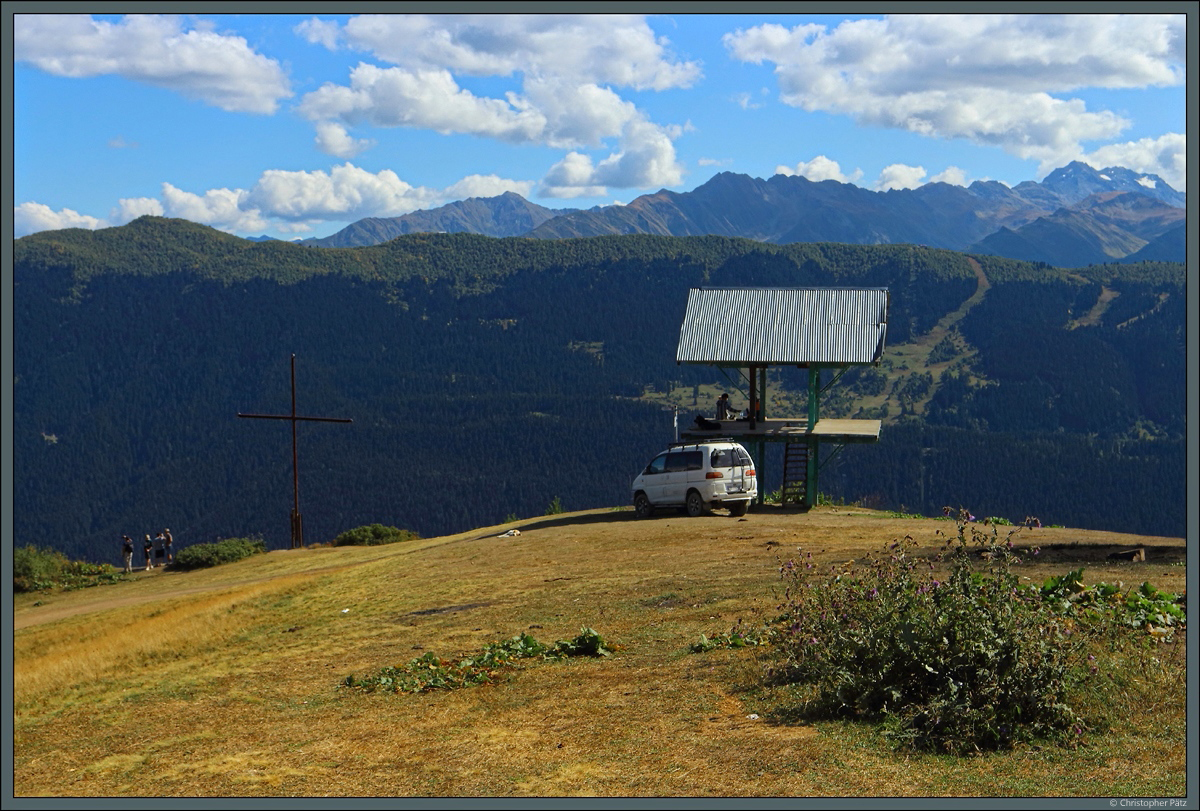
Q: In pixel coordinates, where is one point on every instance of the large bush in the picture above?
(36, 569)
(971, 663)
(203, 555)
(373, 535)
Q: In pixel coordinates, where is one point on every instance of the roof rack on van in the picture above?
(706, 440)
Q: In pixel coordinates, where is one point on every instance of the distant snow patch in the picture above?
(1148, 182)
(1106, 177)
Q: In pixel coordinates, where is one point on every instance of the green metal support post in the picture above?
(814, 386)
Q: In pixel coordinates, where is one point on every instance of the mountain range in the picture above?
(1076, 216)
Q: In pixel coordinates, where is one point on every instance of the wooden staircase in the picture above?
(795, 473)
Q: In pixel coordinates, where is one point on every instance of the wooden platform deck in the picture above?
(790, 429)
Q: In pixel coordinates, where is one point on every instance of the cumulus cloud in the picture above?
(573, 176)
(29, 218)
(220, 70)
(1165, 156)
(220, 208)
(286, 201)
(820, 168)
(899, 176)
(319, 32)
(566, 73)
(952, 175)
(485, 186)
(346, 192)
(646, 159)
(333, 139)
(606, 48)
(990, 79)
(425, 99)
(130, 208)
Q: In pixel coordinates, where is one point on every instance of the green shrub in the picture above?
(373, 535)
(35, 568)
(38, 569)
(972, 663)
(555, 508)
(203, 555)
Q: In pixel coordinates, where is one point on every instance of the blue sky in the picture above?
(297, 125)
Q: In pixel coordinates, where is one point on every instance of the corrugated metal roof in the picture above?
(760, 325)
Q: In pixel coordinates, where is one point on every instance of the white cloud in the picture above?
(29, 218)
(573, 176)
(219, 70)
(284, 201)
(646, 159)
(820, 168)
(746, 101)
(119, 142)
(485, 186)
(319, 32)
(346, 192)
(566, 73)
(332, 139)
(899, 176)
(985, 78)
(1165, 156)
(130, 208)
(426, 99)
(605, 48)
(220, 208)
(952, 175)
(714, 161)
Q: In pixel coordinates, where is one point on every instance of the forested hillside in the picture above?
(486, 377)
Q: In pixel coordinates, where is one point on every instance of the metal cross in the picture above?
(297, 524)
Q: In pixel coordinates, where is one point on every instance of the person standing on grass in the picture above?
(148, 547)
(169, 545)
(127, 552)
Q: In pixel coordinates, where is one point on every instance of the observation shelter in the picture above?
(750, 329)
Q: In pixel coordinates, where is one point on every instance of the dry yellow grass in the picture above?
(225, 682)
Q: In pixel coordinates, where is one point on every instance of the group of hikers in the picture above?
(159, 551)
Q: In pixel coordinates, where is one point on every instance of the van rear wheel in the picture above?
(695, 504)
(738, 508)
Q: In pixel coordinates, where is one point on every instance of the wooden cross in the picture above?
(297, 524)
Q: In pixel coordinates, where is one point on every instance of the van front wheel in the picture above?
(695, 504)
(642, 506)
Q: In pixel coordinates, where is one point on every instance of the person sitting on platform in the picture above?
(723, 410)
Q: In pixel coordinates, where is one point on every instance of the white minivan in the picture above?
(697, 476)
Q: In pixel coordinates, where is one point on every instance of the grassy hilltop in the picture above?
(225, 681)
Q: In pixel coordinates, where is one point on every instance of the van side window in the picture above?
(659, 465)
(680, 461)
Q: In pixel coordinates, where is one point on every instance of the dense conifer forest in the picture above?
(486, 377)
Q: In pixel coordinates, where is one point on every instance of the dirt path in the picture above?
(851, 530)
(1098, 309)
